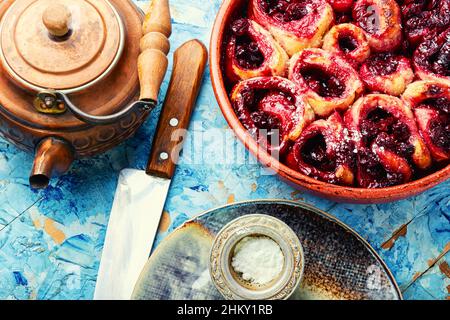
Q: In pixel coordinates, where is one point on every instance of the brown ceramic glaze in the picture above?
(296, 179)
(60, 138)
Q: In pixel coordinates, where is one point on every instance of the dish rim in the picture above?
(300, 204)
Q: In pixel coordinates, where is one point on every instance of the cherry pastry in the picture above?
(327, 80)
(252, 52)
(381, 20)
(432, 59)
(323, 152)
(387, 73)
(274, 105)
(349, 41)
(430, 101)
(343, 17)
(388, 143)
(425, 19)
(341, 6)
(295, 24)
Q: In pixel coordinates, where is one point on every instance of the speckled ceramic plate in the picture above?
(339, 264)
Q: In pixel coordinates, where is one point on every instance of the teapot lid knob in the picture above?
(57, 19)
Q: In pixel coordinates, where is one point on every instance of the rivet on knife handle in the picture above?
(188, 68)
(152, 62)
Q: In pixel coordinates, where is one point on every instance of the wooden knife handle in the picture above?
(152, 62)
(188, 68)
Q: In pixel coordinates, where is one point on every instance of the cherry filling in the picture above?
(341, 5)
(382, 131)
(368, 18)
(425, 18)
(247, 52)
(324, 151)
(285, 10)
(375, 174)
(263, 106)
(314, 153)
(347, 43)
(323, 83)
(439, 127)
(382, 64)
(440, 132)
(440, 104)
(267, 120)
(343, 18)
(434, 55)
(387, 131)
(273, 111)
(253, 98)
(240, 27)
(441, 64)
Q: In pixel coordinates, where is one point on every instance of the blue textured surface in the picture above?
(51, 241)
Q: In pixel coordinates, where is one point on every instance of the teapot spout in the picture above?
(54, 156)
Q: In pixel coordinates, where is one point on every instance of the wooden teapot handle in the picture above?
(152, 62)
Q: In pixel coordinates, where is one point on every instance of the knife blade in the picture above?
(141, 195)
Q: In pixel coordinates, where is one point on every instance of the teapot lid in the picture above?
(65, 45)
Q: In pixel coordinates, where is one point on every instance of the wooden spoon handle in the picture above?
(188, 68)
(152, 62)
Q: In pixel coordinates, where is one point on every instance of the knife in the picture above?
(141, 195)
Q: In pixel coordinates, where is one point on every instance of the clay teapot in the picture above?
(78, 76)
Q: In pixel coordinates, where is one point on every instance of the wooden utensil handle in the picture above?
(152, 62)
(188, 68)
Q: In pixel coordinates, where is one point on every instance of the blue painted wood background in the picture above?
(51, 241)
